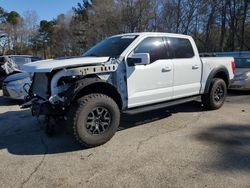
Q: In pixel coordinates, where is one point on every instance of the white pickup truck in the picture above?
(125, 73)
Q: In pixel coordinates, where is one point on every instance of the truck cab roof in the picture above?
(141, 34)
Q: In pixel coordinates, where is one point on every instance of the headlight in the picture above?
(20, 82)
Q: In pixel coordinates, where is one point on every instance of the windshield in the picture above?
(242, 63)
(111, 47)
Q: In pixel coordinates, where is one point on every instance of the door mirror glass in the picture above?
(138, 59)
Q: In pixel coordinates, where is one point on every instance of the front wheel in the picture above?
(95, 119)
(216, 96)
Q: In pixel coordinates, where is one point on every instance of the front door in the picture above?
(152, 83)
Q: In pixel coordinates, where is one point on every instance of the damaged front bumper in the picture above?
(41, 107)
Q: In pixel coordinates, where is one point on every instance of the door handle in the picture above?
(167, 69)
(195, 67)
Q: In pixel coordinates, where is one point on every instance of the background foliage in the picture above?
(216, 25)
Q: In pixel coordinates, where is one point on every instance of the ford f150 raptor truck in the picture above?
(125, 73)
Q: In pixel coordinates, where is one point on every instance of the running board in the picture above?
(161, 105)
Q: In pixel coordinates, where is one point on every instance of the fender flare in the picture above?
(213, 74)
(79, 86)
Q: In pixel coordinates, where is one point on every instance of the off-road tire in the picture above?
(210, 100)
(80, 114)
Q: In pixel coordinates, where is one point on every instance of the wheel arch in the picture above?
(219, 72)
(93, 85)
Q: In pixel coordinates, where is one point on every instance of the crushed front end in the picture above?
(38, 98)
(51, 93)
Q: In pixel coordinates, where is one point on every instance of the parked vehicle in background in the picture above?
(235, 54)
(11, 64)
(241, 79)
(129, 73)
(16, 86)
(208, 54)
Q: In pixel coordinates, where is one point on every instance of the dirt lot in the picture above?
(184, 146)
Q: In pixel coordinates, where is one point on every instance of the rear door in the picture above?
(187, 67)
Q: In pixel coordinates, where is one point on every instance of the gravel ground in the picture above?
(184, 146)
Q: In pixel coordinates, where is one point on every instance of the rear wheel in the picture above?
(216, 96)
(96, 118)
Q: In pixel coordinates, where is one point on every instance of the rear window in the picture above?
(242, 63)
(180, 48)
(20, 60)
(35, 59)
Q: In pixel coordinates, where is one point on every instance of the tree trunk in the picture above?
(232, 10)
(223, 25)
(178, 16)
(246, 2)
(210, 22)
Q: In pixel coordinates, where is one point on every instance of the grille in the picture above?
(40, 85)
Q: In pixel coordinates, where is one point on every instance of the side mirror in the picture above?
(139, 59)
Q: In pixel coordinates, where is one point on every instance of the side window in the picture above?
(181, 48)
(155, 46)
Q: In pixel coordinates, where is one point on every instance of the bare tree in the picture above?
(216, 25)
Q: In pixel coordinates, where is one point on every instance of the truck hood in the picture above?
(54, 64)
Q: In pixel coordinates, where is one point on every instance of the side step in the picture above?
(161, 105)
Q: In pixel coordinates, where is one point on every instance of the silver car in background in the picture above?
(16, 83)
(241, 79)
(11, 64)
(17, 86)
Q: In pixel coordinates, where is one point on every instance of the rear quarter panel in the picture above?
(212, 63)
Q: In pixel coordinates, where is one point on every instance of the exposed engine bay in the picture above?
(51, 93)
